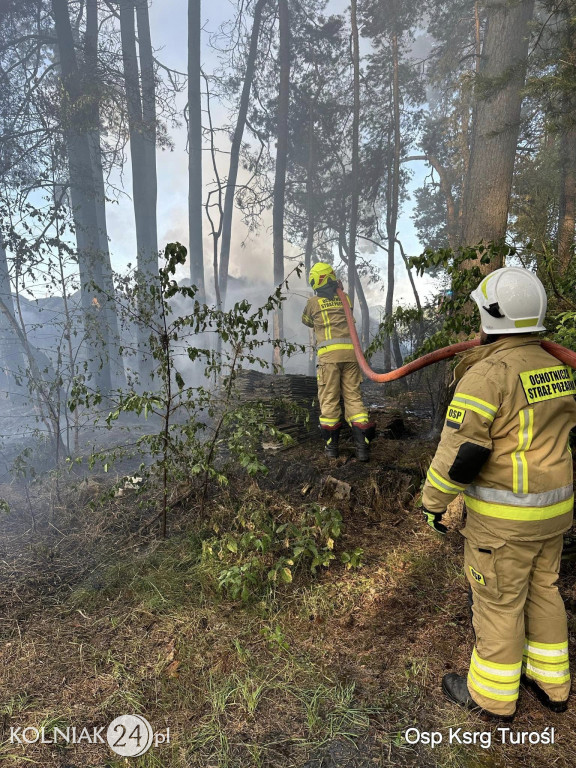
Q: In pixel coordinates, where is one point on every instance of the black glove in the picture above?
(433, 519)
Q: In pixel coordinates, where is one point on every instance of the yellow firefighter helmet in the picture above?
(320, 274)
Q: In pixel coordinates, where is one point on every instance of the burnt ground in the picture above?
(98, 618)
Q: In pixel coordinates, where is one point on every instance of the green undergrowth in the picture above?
(270, 676)
(245, 554)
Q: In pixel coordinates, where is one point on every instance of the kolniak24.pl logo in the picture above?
(128, 735)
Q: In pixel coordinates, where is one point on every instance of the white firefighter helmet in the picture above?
(511, 300)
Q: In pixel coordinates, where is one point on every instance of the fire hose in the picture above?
(566, 356)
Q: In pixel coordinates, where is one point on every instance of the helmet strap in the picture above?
(494, 310)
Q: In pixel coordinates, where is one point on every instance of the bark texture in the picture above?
(567, 203)
(496, 121)
(567, 206)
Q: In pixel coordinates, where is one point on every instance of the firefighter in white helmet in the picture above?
(337, 371)
(505, 446)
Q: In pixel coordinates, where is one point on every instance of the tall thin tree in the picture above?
(11, 352)
(310, 215)
(354, 180)
(392, 202)
(141, 106)
(83, 195)
(281, 164)
(91, 87)
(195, 209)
(235, 150)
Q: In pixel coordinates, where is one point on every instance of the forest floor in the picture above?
(100, 618)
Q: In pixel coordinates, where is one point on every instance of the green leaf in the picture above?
(298, 551)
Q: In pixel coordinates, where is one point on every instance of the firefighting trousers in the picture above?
(335, 380)
(519, 620)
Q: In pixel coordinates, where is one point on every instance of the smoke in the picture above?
(251, 255)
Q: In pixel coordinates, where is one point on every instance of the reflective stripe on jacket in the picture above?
(327, 318)
(505, 442)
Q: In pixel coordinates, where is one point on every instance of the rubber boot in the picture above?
(455, 688)
(362, 434)
(542, 696)
(331, 437)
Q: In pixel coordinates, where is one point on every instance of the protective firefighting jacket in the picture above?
(326, 316)
(505, 445)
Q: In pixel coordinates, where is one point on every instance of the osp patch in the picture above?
(478, 578)
(454, 417)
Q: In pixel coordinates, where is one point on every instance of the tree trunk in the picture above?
(567, 206)
(310, 217)
(364, 309)
(142, 128)
(281, 162)
(442, 393)
(235, 151)
(196, 250)
(310, 211)
(148, 129)
(83, 196)
(477, 40)
(11, 354)
(463, 141)
(420, 332)
(354, 181)
(496, 122)
(398, 359)
(393, 197)
(446, 192)
(567, 203)
(92, 87)
(364, 313)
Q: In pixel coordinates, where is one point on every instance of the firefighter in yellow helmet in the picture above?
(338, 372)
(505, 446)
